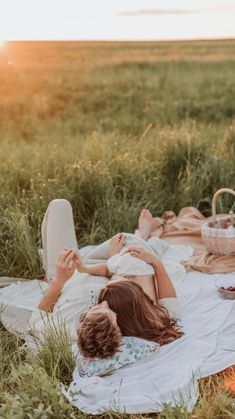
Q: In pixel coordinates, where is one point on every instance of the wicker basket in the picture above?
(218, 241)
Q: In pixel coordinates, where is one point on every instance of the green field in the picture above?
(113, 128)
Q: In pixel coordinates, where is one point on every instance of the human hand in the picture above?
(80, 265)
(65, 266)
(116, 243)
(144, 255)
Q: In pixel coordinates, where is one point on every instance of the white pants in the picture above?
(58, 232)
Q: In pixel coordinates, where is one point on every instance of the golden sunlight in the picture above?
(2, 44)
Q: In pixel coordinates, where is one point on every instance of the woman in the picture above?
(124, 309)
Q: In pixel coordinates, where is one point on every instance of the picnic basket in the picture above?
(217, 240)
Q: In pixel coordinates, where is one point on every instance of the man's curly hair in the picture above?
(98, 337)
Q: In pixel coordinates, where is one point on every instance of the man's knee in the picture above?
(60, 204)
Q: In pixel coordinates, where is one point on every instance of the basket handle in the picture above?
(215, 198)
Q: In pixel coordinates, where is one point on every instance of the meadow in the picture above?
(113, 128)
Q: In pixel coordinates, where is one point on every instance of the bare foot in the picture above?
(157, 227)
(169, 217)
(145, 224)
(157, 232)
(157, 222)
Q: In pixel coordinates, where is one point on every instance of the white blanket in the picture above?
(170, 376)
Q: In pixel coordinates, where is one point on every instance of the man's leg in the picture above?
(58, 232)
(146, 225)
(140, 238)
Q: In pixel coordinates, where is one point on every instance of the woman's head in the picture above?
(98, 334)
(136, 314)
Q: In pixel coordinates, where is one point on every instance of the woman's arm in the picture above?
(165, 287)
(164, 284)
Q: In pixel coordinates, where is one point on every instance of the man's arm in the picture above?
(99, 269)
(65, 267)
(50, 298)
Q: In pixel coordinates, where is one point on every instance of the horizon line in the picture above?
(222, 38)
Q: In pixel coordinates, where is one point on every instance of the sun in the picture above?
(2, 44)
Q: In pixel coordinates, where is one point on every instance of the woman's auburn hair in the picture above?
(137, 315)
(98, 337)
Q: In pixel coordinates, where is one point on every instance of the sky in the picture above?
(116, 19)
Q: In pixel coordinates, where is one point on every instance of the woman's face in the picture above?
(103, 308)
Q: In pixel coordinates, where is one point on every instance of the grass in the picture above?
(29, 385)
(113, 128)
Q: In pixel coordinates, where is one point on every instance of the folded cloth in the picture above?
(125, 264)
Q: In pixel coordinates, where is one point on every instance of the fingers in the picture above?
(66, 256)
(134, 249)
(70, 256)
(122, 239)
(119, 237)
(63, 255)
(71, 260)
(137, 255)
(78, 258)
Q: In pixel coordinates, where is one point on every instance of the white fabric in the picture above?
(125, 264)
(17, 302)
(158, 245)
(173, 307)
(170, 376)
(58, 232)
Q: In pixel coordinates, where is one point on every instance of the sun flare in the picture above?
(2, 44)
